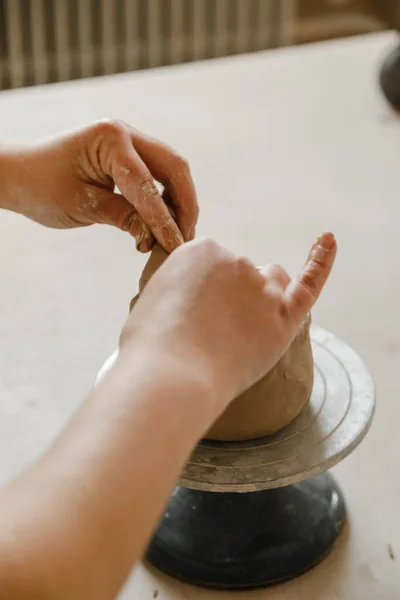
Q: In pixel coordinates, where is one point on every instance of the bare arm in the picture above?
(73, 525)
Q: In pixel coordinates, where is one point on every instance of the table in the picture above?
(282, 144)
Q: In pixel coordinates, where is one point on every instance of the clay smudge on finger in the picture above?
(87, 200)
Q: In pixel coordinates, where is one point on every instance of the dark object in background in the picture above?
(389, 77)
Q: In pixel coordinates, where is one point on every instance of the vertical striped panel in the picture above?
(38, 36)
(14, 39)
(108, 49)
(288, 13)
(243, 20)
(154, 49)
(199, 28)
(221, 27)
(130, 34)
(63, 53)
(264, 25)
(177, 28)
(85, 38)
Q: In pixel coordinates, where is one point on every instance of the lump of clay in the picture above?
(271, 403)
(275, 400)
(157, 257)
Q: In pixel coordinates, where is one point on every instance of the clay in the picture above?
(271, 403)
(275, 400)
(157, 256)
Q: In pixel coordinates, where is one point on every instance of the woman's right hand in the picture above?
(221, 317)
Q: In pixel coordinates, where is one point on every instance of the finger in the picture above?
(135, 182)
(113, 209)
(167, 199)
(275, 273)
(173, 172)
(146, 244)
(303, 292)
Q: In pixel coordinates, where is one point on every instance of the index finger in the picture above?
(135, 182)
(302, 293)
(170, 169)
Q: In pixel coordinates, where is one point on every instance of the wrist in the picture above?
(9, 178)
(181, 375)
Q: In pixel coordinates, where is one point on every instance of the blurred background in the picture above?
(56, 40)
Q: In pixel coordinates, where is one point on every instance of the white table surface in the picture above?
(282, 145)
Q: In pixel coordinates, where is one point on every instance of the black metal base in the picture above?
(244, 541)
(389, 78)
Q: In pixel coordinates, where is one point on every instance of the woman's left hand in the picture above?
(70, 182)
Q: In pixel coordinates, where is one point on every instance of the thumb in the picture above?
(302, 293)
(114, 209)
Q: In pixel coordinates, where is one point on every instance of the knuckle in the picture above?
(148, 187)
(109, 127)
(182, 166)
(244, 265)
(283, 310)
(309, 282)
(319, 261)
(131, 222)
(207, 251)
(315, 271)
(241, 262)
(164, 221)
(275, 268)
(209, 245)
(204, 248)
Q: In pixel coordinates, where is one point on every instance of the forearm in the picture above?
(73, 525)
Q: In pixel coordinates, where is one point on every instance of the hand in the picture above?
(70, 181)
(221, 316)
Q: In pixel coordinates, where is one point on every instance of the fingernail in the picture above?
(327, 240)
(145, 245)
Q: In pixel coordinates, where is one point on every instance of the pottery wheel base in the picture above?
(250, 540)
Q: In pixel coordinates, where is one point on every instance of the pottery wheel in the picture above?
(329, 428)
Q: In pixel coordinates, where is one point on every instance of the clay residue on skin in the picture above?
(149, 188)
(133, 224)
(87, 200)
